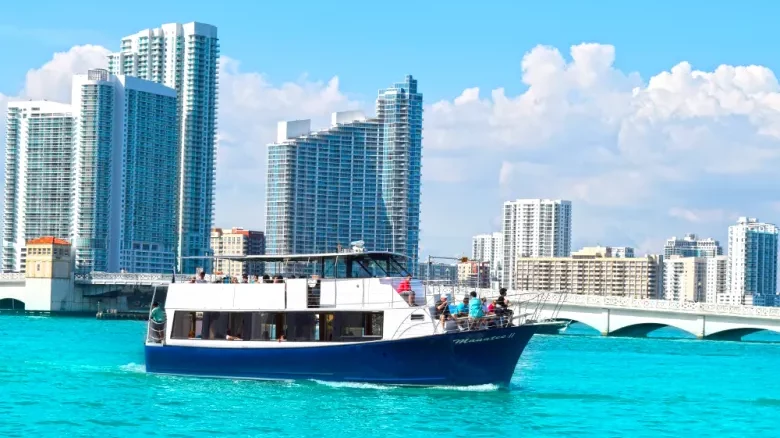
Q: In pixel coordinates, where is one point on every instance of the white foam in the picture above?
(353, 385)
(133, 367)
(488, 387)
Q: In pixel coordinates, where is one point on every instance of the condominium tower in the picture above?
(534, 228)
(38, 176)
(692, 246)
(125, 174)
(101, 172)
(237, 241)
(489, 248)
(590, 272)
(752, 263)
(184, 57)
(357, 180)
(694, 279)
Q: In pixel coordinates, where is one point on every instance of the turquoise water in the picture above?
(83, 377)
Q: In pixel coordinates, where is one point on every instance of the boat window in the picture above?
(270, 326)
(184, 325)
(264, 326)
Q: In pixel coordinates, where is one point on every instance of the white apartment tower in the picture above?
(38, 176)
(184, 57)
(489, 248)
(694, 279)
(534, 228)
(752, 263)
(125, 174)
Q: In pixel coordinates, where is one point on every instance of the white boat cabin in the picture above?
(344, 297)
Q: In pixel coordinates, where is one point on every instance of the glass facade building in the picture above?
(358, 180)
(752, 264)
(185, 58)
(38, 176)
(126, 174)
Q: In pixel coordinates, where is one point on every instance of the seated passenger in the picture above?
(266, 278)
(405, 289)
(255, 279)
(463, 308)
(443, 311)
(230, 337)
(201, 277)
(491, 308)
(245, 279)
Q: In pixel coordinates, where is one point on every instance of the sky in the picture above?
(655, 120)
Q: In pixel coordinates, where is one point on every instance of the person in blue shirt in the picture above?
(463, 308)
(475, 306)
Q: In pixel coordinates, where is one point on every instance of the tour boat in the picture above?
(346, 317)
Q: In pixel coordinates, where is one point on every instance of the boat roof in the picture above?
(345, 255)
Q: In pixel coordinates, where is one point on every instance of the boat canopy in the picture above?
(345, 264)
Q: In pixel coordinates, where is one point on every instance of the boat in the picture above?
(347, 317)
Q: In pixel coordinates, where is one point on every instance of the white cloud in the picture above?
(639, 158)
(627, 152)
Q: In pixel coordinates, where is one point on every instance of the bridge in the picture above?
(620, 316)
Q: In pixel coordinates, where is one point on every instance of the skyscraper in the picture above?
(752, 263)
(489, 248)
(534, 228)
(97, 172)
(126, 174)
(237, 242)
(358, 180)
(692, 246)
(694, 279)
(184, 57)
(38, 176)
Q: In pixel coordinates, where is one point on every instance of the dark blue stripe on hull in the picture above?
(461, 359)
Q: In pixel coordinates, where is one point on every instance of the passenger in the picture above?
(201, 277)
(230, 337)
(502, 307)
(266, 278)
(484, 306)
(278, 279)
(282, 338)
(405, 289)
(255, 279)
(443, 310)
(463, 308)
(245, 279)
(475, 307)
(491, 308)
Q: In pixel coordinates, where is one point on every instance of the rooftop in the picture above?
(48, 240)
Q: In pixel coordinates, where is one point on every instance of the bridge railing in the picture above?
(636, 303)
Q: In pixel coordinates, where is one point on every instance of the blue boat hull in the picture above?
(459, 359)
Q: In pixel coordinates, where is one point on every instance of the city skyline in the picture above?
(625, 193)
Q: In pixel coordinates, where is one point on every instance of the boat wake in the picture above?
(354, 385)
(357, 385)
(133, 367)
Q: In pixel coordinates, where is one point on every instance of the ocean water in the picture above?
(83, 377)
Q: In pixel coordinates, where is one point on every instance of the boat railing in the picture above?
(155, 332)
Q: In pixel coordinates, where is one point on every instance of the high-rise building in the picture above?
(184, 57)
(237, 242)
(694, 279)
(752, 263)
(358, 180)
(588, 274)
(38, 177)
(438, 272)
(489, 248)
(474, 274)
(125, 174)
(692, 246)
(534, 228)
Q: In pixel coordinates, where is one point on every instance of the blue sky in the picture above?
(639, 166)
